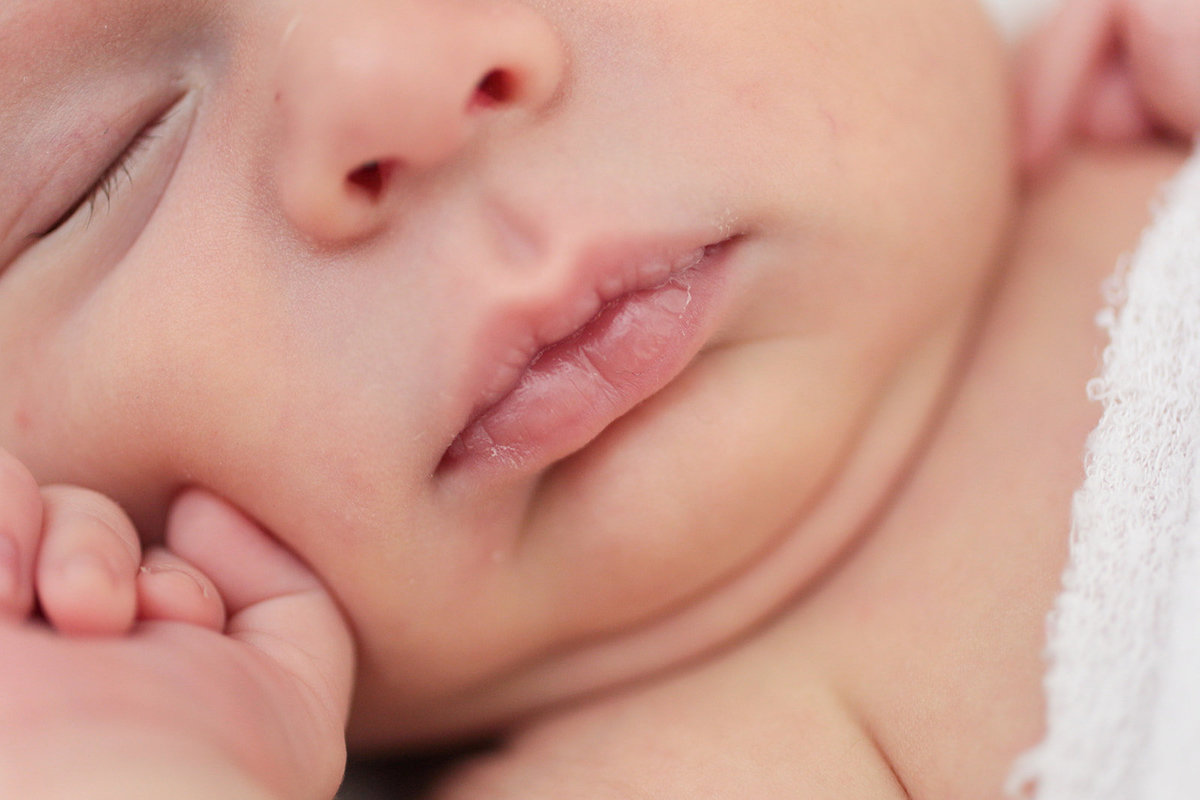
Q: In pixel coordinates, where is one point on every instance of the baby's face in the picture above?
(541, 329)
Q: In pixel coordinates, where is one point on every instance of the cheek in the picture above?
(106, 392)
(22, 412)
(216, 371)
(55, 406)
(27, 414)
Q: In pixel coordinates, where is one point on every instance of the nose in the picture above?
(372, 91)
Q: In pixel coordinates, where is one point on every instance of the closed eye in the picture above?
(106, 186)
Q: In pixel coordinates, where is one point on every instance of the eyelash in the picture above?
(110, 180)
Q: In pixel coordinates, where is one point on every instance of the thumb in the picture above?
(276, 604)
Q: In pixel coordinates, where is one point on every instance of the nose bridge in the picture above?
(372, 91)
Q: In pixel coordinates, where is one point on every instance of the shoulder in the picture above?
(733, 728)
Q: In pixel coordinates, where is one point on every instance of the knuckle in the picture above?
(98, 511)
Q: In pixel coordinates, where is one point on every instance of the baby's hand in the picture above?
(79, 555)
(153, 693)
(1113, 70)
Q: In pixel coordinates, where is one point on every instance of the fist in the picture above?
(1111, 70)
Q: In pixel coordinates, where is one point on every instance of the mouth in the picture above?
(640, 316)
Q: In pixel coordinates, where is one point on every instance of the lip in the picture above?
(552, 377)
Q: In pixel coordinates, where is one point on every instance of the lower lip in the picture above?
(577, 387)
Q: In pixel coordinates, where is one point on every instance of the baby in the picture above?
(681, 395)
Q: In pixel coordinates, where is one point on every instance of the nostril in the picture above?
(496, 88)
(370, 178)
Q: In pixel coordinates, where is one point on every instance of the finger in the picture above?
(1163, 40)
(277, 606)
(171, 589)
(274, 601)
(20, 530)
(1057, 66)
(87, 563)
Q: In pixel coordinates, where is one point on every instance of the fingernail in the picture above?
(10, 569)
(174, 574)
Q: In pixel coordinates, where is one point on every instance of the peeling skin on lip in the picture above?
(674, 296)
(650, 275)
(569, 390)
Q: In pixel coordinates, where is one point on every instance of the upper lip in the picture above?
(514, 332)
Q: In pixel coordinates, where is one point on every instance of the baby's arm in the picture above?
(1112, 70)
(188, 703)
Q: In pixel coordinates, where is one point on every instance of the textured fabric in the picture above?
(1123, 685)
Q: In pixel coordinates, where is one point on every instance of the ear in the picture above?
(1075, 79)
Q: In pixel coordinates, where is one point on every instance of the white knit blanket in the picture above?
(1123, 682)
(1123, 686)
